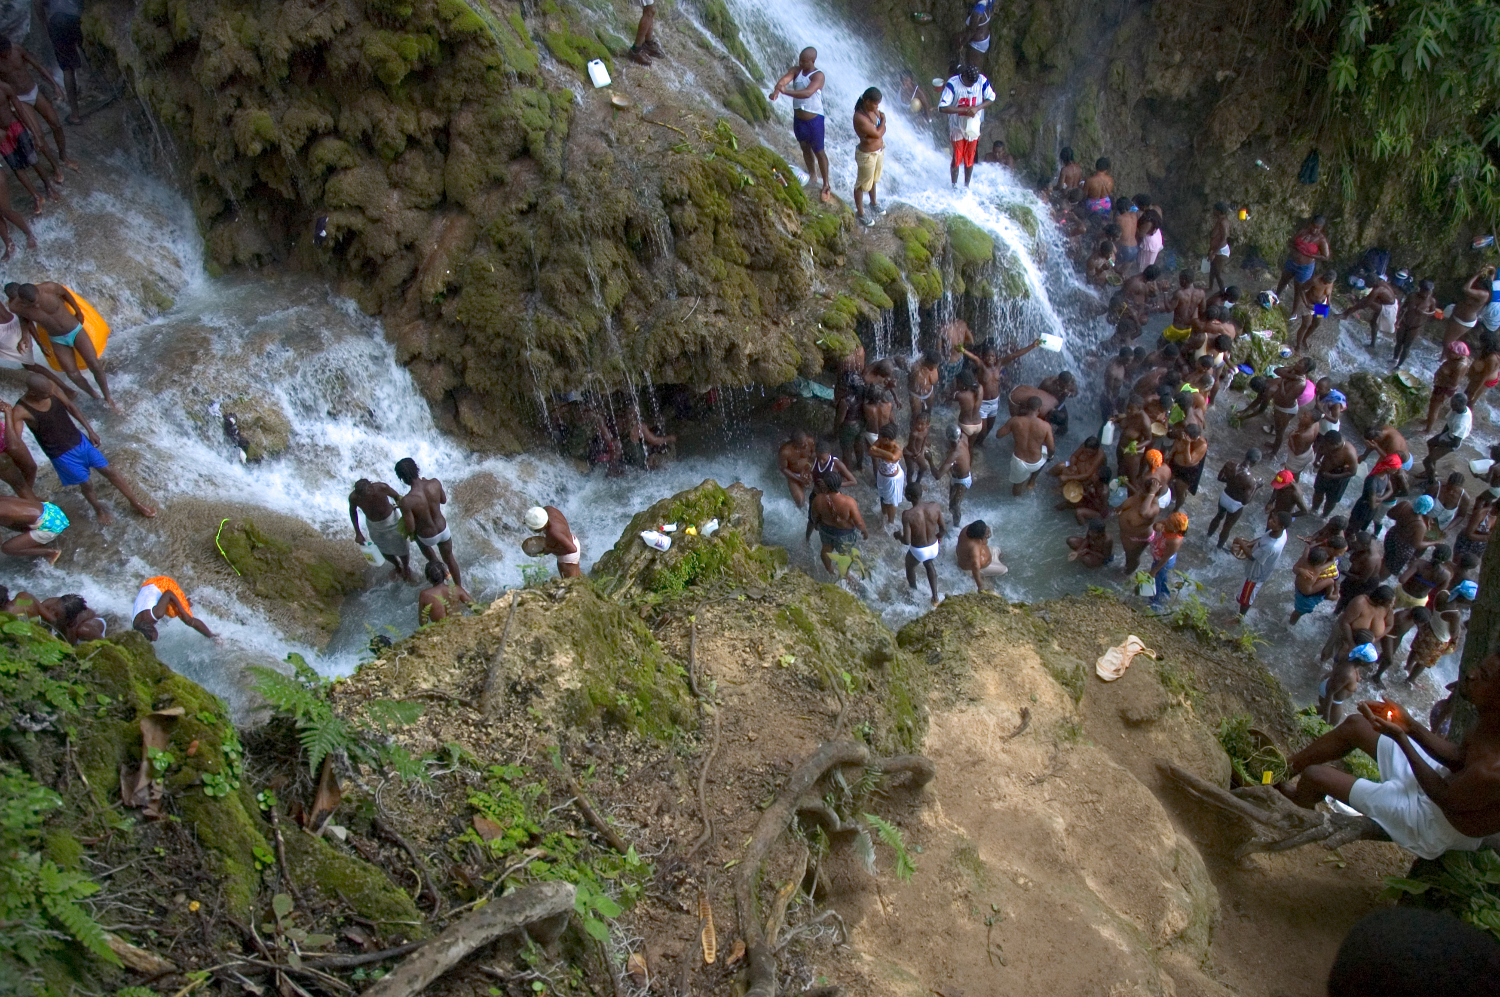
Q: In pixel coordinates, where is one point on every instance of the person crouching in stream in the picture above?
(556, 538)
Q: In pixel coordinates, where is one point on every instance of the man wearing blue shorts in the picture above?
(54, 421)
(804, 84)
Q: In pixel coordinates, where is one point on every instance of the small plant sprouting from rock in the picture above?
(303, 698)
(891, 836)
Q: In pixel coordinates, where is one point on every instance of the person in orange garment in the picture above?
(161, 598)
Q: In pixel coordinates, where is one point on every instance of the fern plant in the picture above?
(37, 897)
(303, 698)
(890, 835)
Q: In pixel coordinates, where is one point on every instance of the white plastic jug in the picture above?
(659, 541)
(1051, 342)
(598, 75)
(1107, 435)
(371, 553)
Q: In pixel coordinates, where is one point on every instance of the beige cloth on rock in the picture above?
(1112, 663)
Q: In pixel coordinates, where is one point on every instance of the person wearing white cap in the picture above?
(557, 539)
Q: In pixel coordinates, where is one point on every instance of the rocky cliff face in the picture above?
(521, 233)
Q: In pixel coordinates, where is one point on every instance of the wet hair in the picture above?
(1113, 231)
(1319, 220)
(999, 144)
(1223, 342)
(1152, 272)
(1456, 478)
(1442, 553)
(72, 606)
(801, 433)
(406, 470)
(1257, 384)
(913, 492)
(870, 96)
(1033, 404)
(831, 480)
(1428, 284)
(1106, 247)
(889, 431)
(1101, 164)
(26, 292)
(1192, 431)
(1139, 352)
(1337, 543)
(1206, 362)
(1185, 278)
(11, 289)
(1214, 314)
(1383, 595)
(1252, 456)
(966, 379)
(1336, 522)
(1142, 201)
(1065, 154)
(932, 358)
(976, 530)
(1065, 377)
(1372, 431)
(883, 368)
(1170, 350)
(1284, 519)
(1221, 208)
(1126, 353)
(1317, 556)
(437, 572)
(1468, 560)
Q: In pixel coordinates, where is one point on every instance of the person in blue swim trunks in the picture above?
(54, 421)
(52, 309)
(1305, 249)
(804, 84)
(37, 523)
(1311, 308)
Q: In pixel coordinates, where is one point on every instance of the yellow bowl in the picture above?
(1073, 491)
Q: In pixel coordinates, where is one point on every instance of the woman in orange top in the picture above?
(162, 597)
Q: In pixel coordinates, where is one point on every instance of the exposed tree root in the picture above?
(489, 695)
(776, 819)
(1278, 823)
(585, 807)
(424, 877)
(545, 905)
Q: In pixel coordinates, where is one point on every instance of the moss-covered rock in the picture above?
(973, 248)
(631, 568)
(263, 427)
(289, 564)
(880, 269)
(1384, 401)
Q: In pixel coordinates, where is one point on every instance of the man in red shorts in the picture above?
(965, 96)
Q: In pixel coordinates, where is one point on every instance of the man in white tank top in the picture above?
(804, 84)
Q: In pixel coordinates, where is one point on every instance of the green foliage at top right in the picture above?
(1414, 82)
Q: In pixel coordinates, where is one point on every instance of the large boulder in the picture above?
(1383, 401)
(632, 568)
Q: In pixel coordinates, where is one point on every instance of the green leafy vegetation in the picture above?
(891, 836)
(1413, 85)
(1249, 755)
(1464, 883)
(302, 697)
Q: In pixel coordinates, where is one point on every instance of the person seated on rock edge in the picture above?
(915, 99)
(646, 48)
(922, 530)
(422, 516)
(558, 538)
(435, 601)
(161, 598)
(976, 556)
(1095, 548)
(1433, 796)
(381, 505)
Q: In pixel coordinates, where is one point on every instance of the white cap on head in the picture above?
(536, 518)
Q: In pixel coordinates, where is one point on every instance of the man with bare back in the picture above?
(837, 519)
(1185, 303)
(422, 515)
(52, 310)
(1433, 796)
(381, 505)
(16, 65)
(1033, 445)
(991, 371)
(1462, 316)
(922, 531)
(957, 464)
(1218, 246)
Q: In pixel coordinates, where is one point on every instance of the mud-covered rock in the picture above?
(1383, 401)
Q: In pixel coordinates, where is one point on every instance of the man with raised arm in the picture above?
(804, 84)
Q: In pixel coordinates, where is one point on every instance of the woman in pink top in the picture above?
(1150, 237)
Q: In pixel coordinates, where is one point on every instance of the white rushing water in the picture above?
(288, 341)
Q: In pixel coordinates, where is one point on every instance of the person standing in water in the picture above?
(645, 48)
(1305, 249)
(805, 81)
(1414, 312)
(976, 33)
(422, 516)
(16, 66)
(162, 598)
(1381, 303)
(838, 521)
(434, 602)
(381, 505)
(558, 538)
(1069, 182)
(964, 99)
(1463, 315)
(52, 309)
(51, 418)
(794, 461)
(1034, 444)
(869, 126)
(922, 531)
(1218, 247)
(1261, 557)
(1098, 190)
